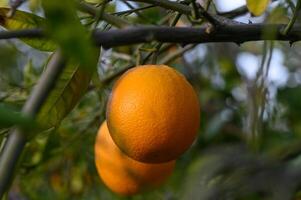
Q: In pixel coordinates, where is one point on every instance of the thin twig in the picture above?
(14, 4)
(137, 12)
(215, 22)
(120, 71)
(181, 8)
(111, 19)
(128, 12)
(293, 20)
(195, 11)
(99, 14)
(170, 58)
(159, 45)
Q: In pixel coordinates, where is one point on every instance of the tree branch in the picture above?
(237, 33)
(17, 138)
(26, 33)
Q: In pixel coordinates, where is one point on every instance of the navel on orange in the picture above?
(122, 174)
(153, 113)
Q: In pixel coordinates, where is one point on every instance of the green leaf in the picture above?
(3, 3)
(10, 117)
(29, 75)
(23, 20)
(278, 15)
(34, 5)
(94, 1)
(70, 87)
(257, 7)
(64, 27)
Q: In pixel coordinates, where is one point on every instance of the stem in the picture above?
(195, 10)
(159, 45)
(99, 14)
(111, 19)
(181, 8)
(17, 138)
(137, 12)
(293, 20)
(208, 16)
(127, 12)
(173, 56)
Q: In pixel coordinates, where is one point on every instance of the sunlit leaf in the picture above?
(94, 1)
(3, 3)
(23, 20)
(34, 4)
(257, 7)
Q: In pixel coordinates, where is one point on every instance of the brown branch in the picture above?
(26, 33)
(237, 33)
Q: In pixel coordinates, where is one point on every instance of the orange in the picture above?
(122, 174)
(153, 113)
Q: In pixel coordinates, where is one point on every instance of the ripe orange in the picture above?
(122, 174)
(153, 113)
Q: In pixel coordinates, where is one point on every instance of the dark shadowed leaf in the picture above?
(70, 87)
(10, 117)
(64, 27)
(23, 20)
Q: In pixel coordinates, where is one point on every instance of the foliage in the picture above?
(257, 7)
(70, 87)
(22, 20)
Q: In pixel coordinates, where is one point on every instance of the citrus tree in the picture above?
(200, 103)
